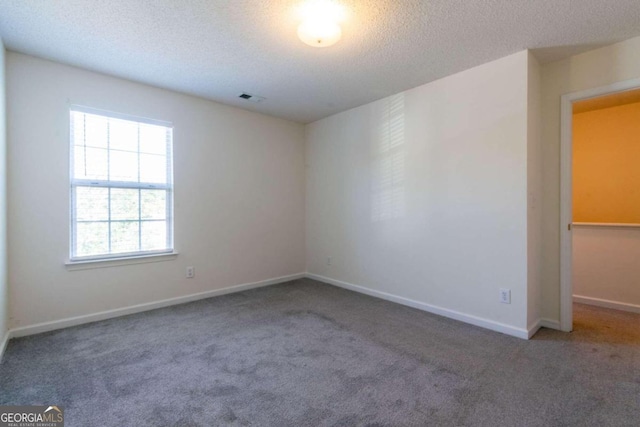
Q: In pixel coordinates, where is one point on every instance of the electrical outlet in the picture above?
(328, 260)
(191, 272)
(505, 296)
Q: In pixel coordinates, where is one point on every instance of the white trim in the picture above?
(118, 261)
(550, 323)
(4, 343)
(607, 303)
(451, 314)
(566, 215)
(532, 329)
(109, 314)
(605, 224)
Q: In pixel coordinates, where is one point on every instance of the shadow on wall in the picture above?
(388, 152)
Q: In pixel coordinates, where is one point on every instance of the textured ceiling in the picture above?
(217, 49)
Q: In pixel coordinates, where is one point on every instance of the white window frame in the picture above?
(75, 183)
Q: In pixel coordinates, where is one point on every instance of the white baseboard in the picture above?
(542, 323)
(109, 314)
(3, 344)
(607, 303)
(533, 328)
(467, 318)
(550, 323)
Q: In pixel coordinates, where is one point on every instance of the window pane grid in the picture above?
(120, 184)
(121, 199)
(109, 223)
(137, 221)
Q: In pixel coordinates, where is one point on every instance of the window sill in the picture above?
(117, 262)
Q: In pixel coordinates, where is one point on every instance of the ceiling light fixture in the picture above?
(320, 23)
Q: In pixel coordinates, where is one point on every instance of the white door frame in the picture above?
(566, 190)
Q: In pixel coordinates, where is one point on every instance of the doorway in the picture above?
(567, 227)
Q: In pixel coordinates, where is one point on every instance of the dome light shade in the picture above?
(320, 20)
(319, 33)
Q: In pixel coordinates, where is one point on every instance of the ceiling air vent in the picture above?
(252, 98)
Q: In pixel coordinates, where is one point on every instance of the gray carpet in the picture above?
(306, 354)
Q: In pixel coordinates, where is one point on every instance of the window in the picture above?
(121, 185)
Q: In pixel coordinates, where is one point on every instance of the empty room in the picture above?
(319, 213)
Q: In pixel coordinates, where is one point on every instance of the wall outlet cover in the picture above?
(505, 296)
(191, 272)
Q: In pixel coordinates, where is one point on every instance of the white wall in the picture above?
(600, 67)
(239, 194)
(605, 266)
(4, 288)
(534, 184)
(423, 195)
